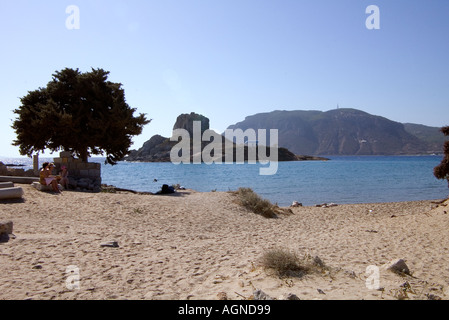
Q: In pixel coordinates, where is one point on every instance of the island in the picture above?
(158, 148)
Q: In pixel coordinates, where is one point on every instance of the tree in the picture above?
(442, 170)
(78, 112)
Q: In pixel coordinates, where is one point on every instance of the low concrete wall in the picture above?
(19, 180)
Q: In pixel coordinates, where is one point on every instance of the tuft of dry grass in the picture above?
(284, 263)
(253, 202)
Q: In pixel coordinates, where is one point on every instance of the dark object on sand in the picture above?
(166, 189)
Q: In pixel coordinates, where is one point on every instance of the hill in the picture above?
(158, 148)
(432, 136)
(345, 132)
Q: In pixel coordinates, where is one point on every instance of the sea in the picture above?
(341, 180)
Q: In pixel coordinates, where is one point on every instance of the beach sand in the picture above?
(196, 245)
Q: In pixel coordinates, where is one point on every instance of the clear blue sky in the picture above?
(228, 59)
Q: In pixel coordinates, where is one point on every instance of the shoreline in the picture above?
(118, 190)
(203, 246)
(351, 188)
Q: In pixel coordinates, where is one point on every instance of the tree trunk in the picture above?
(83, 154)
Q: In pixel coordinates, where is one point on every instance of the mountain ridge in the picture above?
(317, 134)
(345, 131)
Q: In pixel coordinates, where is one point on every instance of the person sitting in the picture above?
(64, 182)
(46, 178)
(166, 189)
(42, 173)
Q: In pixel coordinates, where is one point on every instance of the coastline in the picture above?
(344, 180)
(203, 245)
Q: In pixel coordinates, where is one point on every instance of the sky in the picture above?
(228, 59)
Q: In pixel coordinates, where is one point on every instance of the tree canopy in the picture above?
(442, 170)
(83, 113)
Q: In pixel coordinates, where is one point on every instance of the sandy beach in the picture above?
(194, 245)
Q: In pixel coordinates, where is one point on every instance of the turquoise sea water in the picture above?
(350, 179)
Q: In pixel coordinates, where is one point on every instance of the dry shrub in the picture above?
(253, 202)
(442, 170)
(284, 263)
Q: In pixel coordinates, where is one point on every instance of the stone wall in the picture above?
(82, 175)
(15, 172)
(3, 169)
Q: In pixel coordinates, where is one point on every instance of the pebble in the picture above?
(111, 244)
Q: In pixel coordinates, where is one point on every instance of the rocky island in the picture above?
(158, 148)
